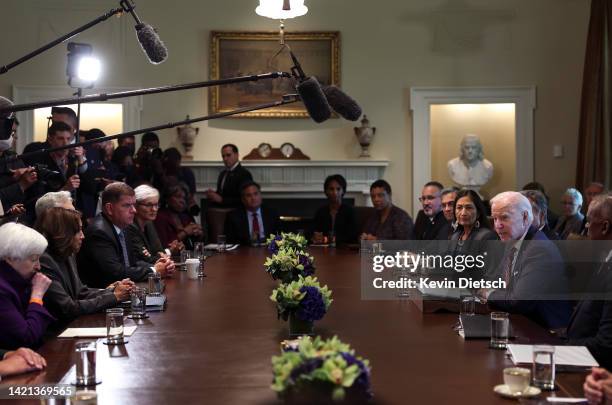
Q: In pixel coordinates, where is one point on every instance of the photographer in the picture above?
(55, 170)
(15, 177)
(149, 159)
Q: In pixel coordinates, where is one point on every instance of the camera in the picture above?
(52, 178)
(154, 153)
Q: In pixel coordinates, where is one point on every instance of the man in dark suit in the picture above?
(252, 223)
(230, 180)
(591, 322)
(430, 222)
(532, 267)
(106, 253)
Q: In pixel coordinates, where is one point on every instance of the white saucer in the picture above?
(504, 391)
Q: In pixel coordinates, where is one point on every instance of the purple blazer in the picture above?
(22, 323)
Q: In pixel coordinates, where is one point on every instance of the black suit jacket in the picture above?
(345, 226)
(237, 226)
(424, 229)
(538, 287)
(67, 297)
(591, 322)
(141, 240)
(101, 257)
(231, 186)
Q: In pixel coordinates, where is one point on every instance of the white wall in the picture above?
(387, 47)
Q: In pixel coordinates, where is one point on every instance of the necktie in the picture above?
(508, 266)
(225, 174)
(126, 259)
(255, 226)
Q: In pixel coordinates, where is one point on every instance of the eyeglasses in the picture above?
(428, 198)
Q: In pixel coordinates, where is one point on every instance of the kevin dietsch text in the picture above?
(426, 282)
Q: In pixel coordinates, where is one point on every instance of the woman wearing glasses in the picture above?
(146, 245)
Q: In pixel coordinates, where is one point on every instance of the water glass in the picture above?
(468, 306)
(201, 273)
(155, 285)
(543, 367)
(193, 268)
(331, 239)
(85, 353)
(500, 328)
(221, 243)
(139, 303)
(114, 326)
(184, 257)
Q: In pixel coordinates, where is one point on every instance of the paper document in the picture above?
(93, 332)
(577, 356)
(215, 246)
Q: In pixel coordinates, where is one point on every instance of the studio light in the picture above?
(281, 9)
(83, 69)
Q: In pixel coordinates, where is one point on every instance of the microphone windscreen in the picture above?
(314, 99)
(342, 103)
(151, 44)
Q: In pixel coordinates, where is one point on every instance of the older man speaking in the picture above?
(536, 283)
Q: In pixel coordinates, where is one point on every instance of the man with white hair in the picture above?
(532, 267)
(52, 199)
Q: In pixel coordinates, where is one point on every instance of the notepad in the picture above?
(93, 332)
(573, 356)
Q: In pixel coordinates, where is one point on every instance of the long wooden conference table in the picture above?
(214, 342)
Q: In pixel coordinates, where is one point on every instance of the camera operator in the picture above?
(56, 171)
(15, 177)
(149, 159)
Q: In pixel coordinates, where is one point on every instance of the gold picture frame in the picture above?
(241, 53)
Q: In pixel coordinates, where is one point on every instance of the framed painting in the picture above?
(234, 54)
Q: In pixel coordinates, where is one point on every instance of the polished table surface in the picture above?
(216, 338)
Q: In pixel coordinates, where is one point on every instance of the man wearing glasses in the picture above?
(430, 222)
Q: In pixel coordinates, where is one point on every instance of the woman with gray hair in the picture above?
(571, 220)
(145, 242)
(23, 317)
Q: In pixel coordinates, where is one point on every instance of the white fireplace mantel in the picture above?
(297, 178)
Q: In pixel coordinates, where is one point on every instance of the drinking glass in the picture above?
(221, 243)
(200, 253)
(114, 326)
(500, 327)
(85, 353)
(193, 268)
(331, 239)
(468, 305)
(543, 367)
(155, 286)
(139, 303)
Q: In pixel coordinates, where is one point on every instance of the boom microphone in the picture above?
(311, 93)
(147, 36)
(314, 99)
(342, 103)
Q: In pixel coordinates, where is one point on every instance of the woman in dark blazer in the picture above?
(335, 217)
(67, 297)
(473, 229)
(145, 242)
(23, 317)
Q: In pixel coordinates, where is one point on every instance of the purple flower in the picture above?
(307, 263)
(362, 382)
(312, 307)
(273, 246)
(305, 368)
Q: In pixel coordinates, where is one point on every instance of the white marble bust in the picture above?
(470, 169)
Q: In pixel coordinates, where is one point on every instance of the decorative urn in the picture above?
(365, 133)
(186, 136)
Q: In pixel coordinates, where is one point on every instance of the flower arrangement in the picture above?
(288, 263)
(327, 364)
(304, 299)
(286, 240)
